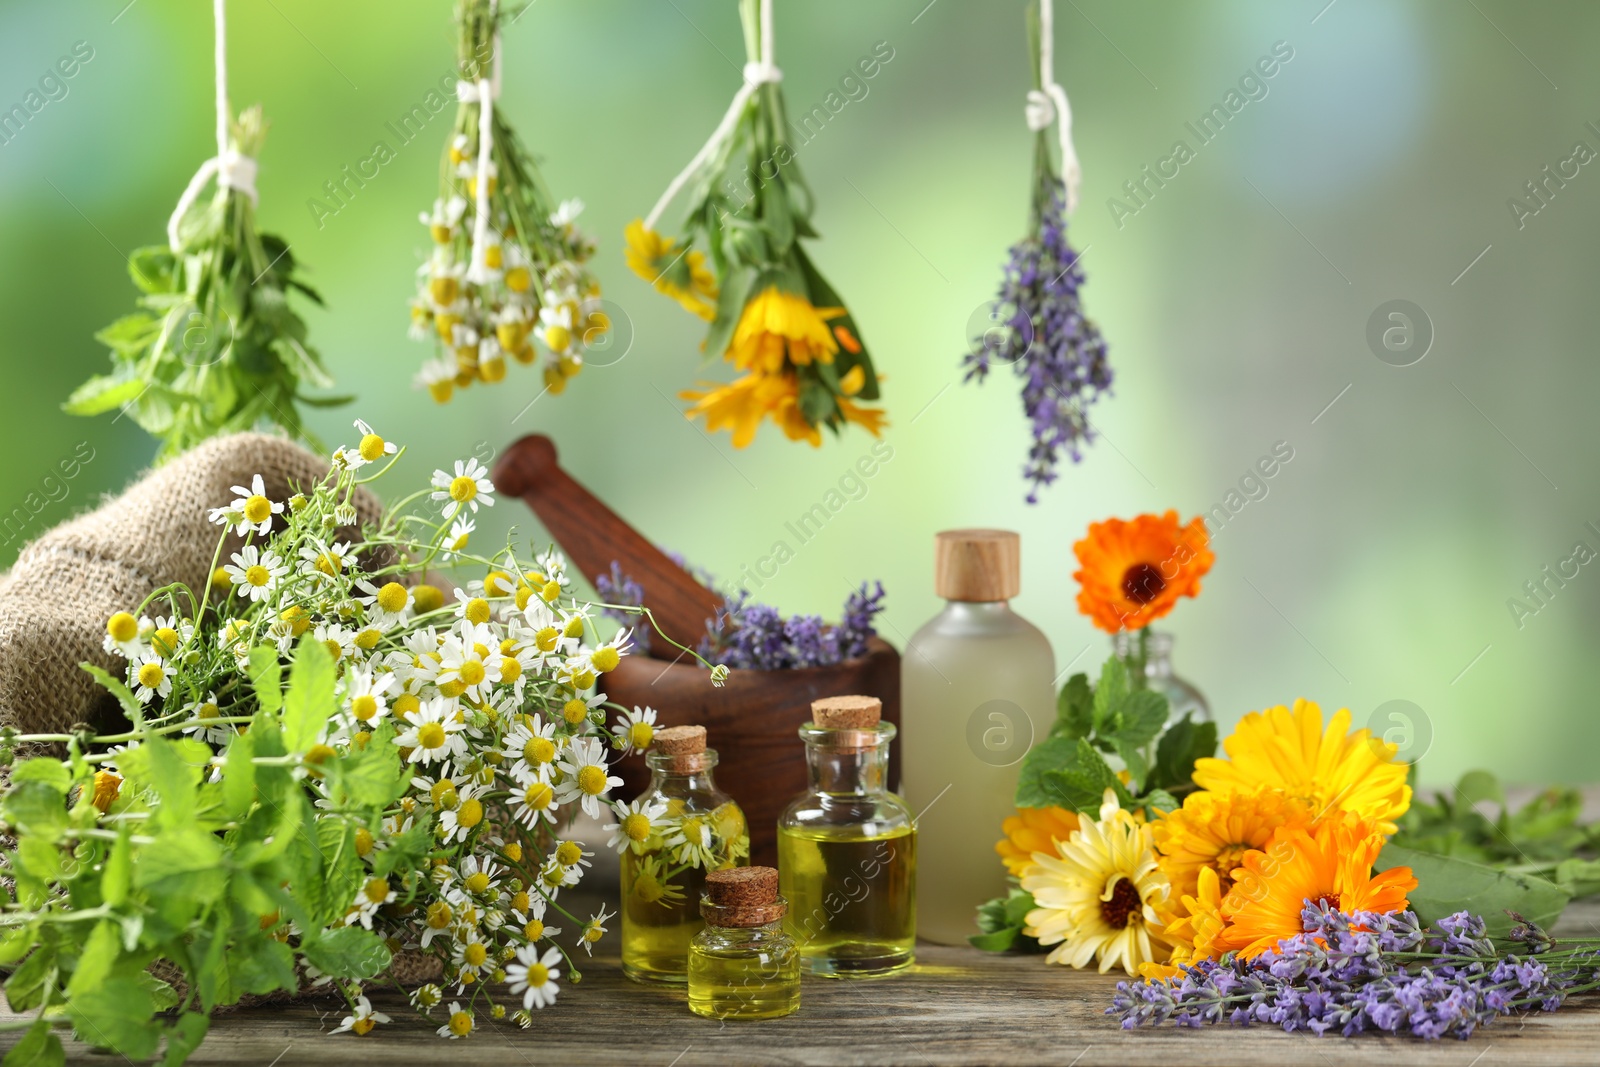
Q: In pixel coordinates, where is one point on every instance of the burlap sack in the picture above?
(64, 586)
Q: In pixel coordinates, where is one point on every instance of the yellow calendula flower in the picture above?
(681, 275)
(741, 405)
(1033, 830)
(1213, 831)
(873, 420)
(775, 324)
(1097, 894)
(1330, 768)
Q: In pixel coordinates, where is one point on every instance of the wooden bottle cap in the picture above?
(683, 746)
(742, 896)
(847, 712)
(977, 565)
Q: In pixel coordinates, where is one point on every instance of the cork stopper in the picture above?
(742, 896)
(847, 712)
(977, 565)
(684, 748)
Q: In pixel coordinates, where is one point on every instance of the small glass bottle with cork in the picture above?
(680, 829)
(847, 848)
(743, 965)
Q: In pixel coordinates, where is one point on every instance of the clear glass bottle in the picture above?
(977, 689)
(847, 849)
(700, 829)
(1147, 654)
(743, 965)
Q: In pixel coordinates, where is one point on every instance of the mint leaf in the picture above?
(38, 1048)
(1143, 714)
(1048, 755)
(1075, 708)
(309, 702)
(116, 1014)
(1446, 885)
(348, 952)
(266, 675)
(184, 1037)
(1109, 694)
(1184, 742)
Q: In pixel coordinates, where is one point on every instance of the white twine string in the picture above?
(231, 169)
(1049, 104)
(758, 72)
(485, 91)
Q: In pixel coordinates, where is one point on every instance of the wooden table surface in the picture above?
(957, 1006)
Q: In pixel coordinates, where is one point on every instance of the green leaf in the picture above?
(153, 269)
(117, 1014)
(1081, 787)
(1048, 755)
(1446, 885)
(371, 776)
(102, 393)
(1142, 716)
(262, 966)
(239, 776)
(184, 1037)
(348, 952)
(730, 303)
(1075, 708)
(1578, 877)
(1184, 742)
(36, 809)
(1132, 758)
(98, 957)
(178, 861)
(25, 987)
(130, 334)
(309, 703)
(1001, 922)
(38, 1048)
(1109, 694)
(1158, 800)
(125, 698)
(266, 675)
(52, 772)
(1480, 785)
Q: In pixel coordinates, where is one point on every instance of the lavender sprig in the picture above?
(1045, 337)
(1366, 971)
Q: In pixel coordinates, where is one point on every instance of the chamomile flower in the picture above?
(636, 823)
(634, 730)
(366, 697)
(323, 562)
(370, 449)
(208, 729)
(373, 894)
(534, 801)
(446, 215)
(595, 929)
(166, 634)
(689, 841)
(433, 732)
(438, 920)
(150, 676)
(455, 541)
(535, 746)
(466, 490)
(122, 635)
(469, 959)
(426, 997)
(459, 821)
(553, 877)
(459, 1024)
(338, 640)
(250, 510)
(470, 663)
(607, 656)
(255, 573)
(388, 605)
(480, 877)
(584, 775)
(570, 854)
(575, 712)
(361, 1019)
(472, 609)
(534, 976)
(438, 377)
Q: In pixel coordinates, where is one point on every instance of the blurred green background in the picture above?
(1236, 302)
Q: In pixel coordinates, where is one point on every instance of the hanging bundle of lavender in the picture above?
(1038, 326)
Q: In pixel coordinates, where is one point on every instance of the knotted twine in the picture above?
(1048, 104)
(232, 169)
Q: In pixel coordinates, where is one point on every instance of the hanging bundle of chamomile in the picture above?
(216, 347)
(1036, 323)
(798, 353)
(507, 267)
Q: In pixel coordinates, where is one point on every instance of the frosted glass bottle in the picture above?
(977, 689)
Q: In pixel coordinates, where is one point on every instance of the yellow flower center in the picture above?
(583, 679)
(574, 627)
(471, 672)
(439, 915)
(592, 934)
(534, 930)
(476, 882)
(545, 640)
(295, 615)
(364, 841)
(208, 710)
(377, 890)
(574, 711)
(335, 649)
(364, 707)
(258, 509)
(463, 489)
(475, 954)
(518, 280)
(319, 754)
(461, 1024)
(559, 338)
(477, 611)
(640, 734)
(592, 780)
(538, 973)
(363, 1026)
(392, 598)
(219, 578)
(538, 796)
(427, 598)
(151, 675)
(371, 447)
(539, 750)
(605, 659)
(430, 735)
(470, 813)
(329, 563)
(568, 853)
(497, 584)
(368, 639)
(636, 826)
(513, 853)
(510, 670)
(165, 641)
(406, 703)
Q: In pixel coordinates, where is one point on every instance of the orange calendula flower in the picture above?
(1132, 573)
(1213, 831)
(1033, 830)
(1331, 864)
(675, 273)
(776, 323)
(1193, 925)
(1330, 768)
(740, 406)
(872, 419)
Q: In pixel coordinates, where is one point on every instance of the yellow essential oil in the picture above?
(691, 828)
(847, 849)
(743, 965)
(852, 898)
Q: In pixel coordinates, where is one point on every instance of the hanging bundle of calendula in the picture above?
(507, 266)
(217, 349)
(800, 356)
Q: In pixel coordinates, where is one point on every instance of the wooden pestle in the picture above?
(592, 535)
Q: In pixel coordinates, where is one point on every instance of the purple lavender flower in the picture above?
(1042, 333)
(619, 588)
